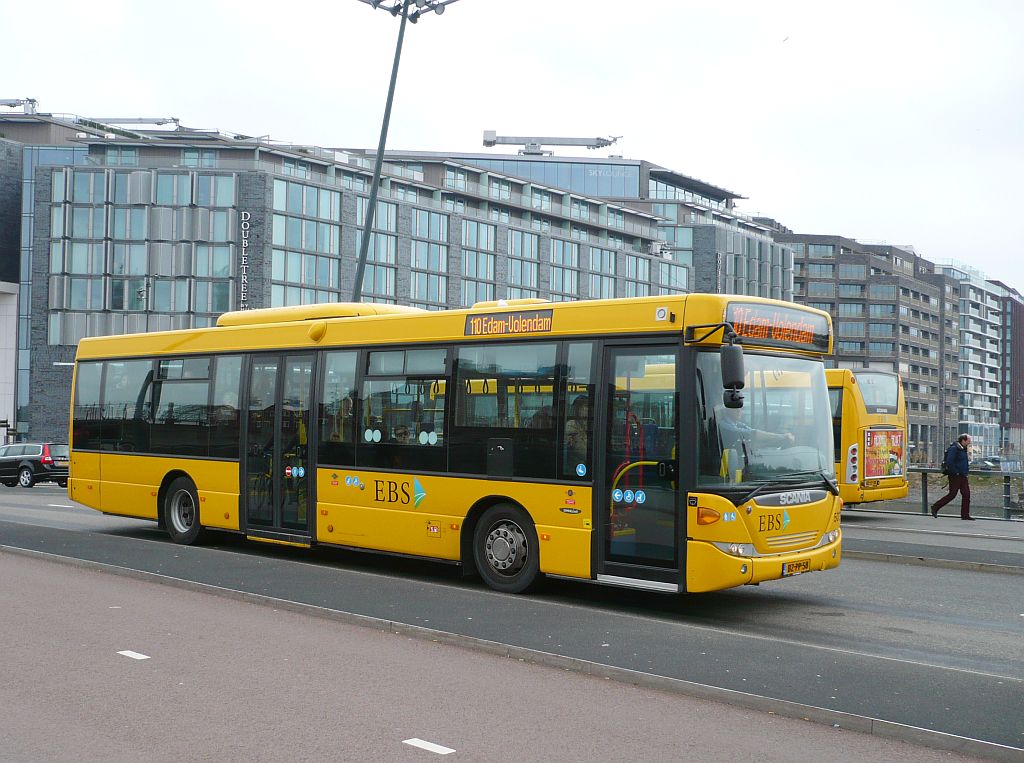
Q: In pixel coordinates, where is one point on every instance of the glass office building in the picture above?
(135, 230)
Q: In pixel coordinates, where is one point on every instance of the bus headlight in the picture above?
(735, 549)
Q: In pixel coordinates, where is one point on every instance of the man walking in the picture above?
(957, 466)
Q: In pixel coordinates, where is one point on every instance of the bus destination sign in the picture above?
(772, 326)
(509, 324)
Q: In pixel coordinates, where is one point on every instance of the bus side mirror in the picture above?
(731, 359)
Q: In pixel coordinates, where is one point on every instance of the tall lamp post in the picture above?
(395, 8)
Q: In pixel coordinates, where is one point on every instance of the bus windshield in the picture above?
(881, 391)
(782, 432)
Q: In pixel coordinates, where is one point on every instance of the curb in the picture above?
(865, 724)
(923, 561)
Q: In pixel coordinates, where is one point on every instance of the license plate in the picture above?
(795, 568)
(60, 461)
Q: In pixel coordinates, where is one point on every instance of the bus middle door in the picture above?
(638, 502)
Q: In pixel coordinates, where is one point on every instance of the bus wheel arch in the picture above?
(501, 540)
(178, 509)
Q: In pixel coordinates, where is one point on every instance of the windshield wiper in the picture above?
(831, 482)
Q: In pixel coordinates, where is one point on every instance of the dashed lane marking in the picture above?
(134, 655)
(429, 746)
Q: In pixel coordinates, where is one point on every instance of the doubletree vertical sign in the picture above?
(245, 225)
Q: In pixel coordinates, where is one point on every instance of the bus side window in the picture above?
(835, 398)
(336, 417)
(504, 398)
(578, 422)
(400, 422)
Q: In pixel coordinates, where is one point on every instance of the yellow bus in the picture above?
(521, 439)
(869, 426)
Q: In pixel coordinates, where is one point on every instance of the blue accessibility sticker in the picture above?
(628, 496)
(640, 496)
(616, 495)
(581, 470)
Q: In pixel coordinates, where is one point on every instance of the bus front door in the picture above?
(639, 530)
(278, 476)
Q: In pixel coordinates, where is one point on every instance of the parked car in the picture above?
(25, 463)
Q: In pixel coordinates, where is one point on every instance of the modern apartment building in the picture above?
(1012, 393)
(885, 317)
(128, 226)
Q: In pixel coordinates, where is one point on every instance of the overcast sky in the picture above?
(881, 121)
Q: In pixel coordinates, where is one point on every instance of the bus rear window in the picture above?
(879, 391)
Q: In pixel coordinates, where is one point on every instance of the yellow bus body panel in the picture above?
(779, 535)
(84, 482)
(131, 484)
(424, 515)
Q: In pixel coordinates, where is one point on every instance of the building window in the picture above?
(821, 250)
(478, 260)
(500, 215)
(88, 222)
(88, 187)
(123, 156)
(215, 190)
(404, 192)
(296, 168)
(638, 276)
(523, 250)
(565, 276)
(850, 347)
(457, 179)
(199, 157)
(579, 209)
(540, 200)
(616, 218)
(821, 289)
(818, 270)
(429, 283)
(672, 278)
(454, 204)
(173, 190)
(602, 276)
(848, 270)
(430, 225)
(849, 328)
(499, 189)
(129, 223)
(851, 309)
(882, 291)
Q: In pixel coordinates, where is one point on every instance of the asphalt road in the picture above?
(936, 648)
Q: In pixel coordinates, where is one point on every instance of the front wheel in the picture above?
(25, 477)
(181, 512)
(505, 550)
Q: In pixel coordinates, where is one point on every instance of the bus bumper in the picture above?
(709, 569)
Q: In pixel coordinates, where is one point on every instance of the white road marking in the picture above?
(134, 655)
(429, 746)
(61, 505)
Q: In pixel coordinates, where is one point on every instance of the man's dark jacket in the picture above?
(956, 459)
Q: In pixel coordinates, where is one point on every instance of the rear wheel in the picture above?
(181, 512)
(25, 478)
(62, 483)
(505, 549)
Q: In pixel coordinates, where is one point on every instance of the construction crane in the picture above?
(30, 104)
(532, 146)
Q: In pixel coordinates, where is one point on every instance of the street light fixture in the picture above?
(395, 8)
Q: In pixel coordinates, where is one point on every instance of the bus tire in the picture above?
(181, 512)
(505, 549)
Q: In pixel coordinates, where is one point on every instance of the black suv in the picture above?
(25, 464)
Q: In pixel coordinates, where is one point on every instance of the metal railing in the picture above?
(1012, 504)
